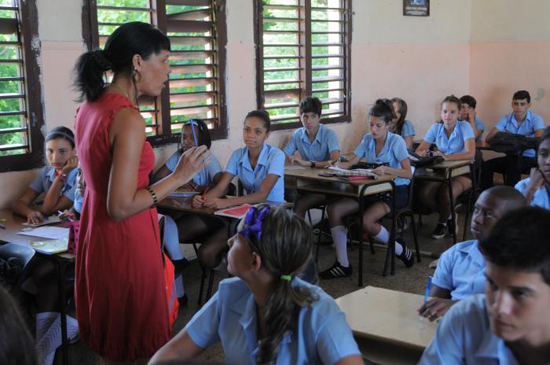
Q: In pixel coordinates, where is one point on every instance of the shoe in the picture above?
(183, 300)
(407, 256)
(452, 226)
(336, 271)
(439, 231)
(180, 265)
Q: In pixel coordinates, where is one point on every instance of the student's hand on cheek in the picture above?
(72, 163)
(35, 217)
(435, 308)
(536, 180)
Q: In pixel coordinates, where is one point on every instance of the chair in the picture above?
(17, 259)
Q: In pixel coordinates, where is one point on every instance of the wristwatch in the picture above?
(63, 178)
(312, 164)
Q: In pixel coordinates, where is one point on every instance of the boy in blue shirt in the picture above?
(460, 272)
(468, 114)
(521, 121)
(509, 324)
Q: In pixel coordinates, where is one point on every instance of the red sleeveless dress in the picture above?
(121, 302)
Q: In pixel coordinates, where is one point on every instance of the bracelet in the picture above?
(153, 195)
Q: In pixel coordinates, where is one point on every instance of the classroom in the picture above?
(240, 76)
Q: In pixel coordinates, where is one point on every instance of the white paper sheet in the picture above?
(55, 233)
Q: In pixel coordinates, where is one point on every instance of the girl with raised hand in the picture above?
(455, 140)
(265, 314)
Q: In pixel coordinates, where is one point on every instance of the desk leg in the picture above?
(62, 268)
(361, 212)
(390, 253)
(452, 202)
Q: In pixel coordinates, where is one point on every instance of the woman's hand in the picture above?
(191, 162)
(217, 203)
(35, 217)
(298, 161)
(198, 201)
(72, 163)
(380, 170)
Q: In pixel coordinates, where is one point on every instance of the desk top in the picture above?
(387, 316)
(451, 164)
(185, 205)
(313, 174)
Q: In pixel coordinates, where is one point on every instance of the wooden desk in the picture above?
(444, 172)
(309, 180)
(386, 325)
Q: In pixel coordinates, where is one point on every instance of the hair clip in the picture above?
(253, 222)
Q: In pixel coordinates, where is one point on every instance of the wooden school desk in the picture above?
(386, 325)
(308, 180)
(62, 262)
(444, 172)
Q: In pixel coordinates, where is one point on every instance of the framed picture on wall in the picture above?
(416, 7)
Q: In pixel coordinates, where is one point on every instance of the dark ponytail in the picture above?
(402, 106)
(126, 41)
(285, 249)
(382, 109)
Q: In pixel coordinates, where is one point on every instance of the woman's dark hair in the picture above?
(544, 137)
(519, 241)
(63, 133)
(16, 342)
(469, 100)
(203, 136)
(261, 114)
(285, 249)
(521, 95)
(451, 99)
(126, 41)
(311, 104)
(402, 106)
(383, 108)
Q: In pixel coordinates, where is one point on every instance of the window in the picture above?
(21, 116)
(303, 49)
(197, 32)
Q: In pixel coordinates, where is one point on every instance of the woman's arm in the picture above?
(352, 160)
(409, 141)
(404, 172)
(422, 148)
(161, 173)
(492, 133)
(258, 197)
(351, 360)
(127, 135)
(22, 206)
(469, 154)
(181, 347)
(218, 191)
(334, 156)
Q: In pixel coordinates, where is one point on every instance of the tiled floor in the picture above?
(410, 280)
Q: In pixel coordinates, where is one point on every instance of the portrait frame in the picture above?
(416, 7)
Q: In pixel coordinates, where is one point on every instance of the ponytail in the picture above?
(90, 69)
(382, 109)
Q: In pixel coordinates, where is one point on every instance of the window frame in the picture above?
(306, 89)
(91, 38)
(28, 31)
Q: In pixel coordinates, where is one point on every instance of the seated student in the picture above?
(536, 188)
(460, 272)
(265, 314)
(378, 147)
(399, 125)
(521, 121)
(509, 324)
(260, 169)
(57, 180)
(468, 114)
(317, 145)
(455, 140)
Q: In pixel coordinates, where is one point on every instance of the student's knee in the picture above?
(209, 255)
(334, 215)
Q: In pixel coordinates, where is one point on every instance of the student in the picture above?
(510, 323)
(468, 114)
(460, 272)
(260, 169)
(56, 181)
(536, 188)
(381, 146)
(317, 145)
(522, 121)
(265, 314)
(455, 140)
(399, 124)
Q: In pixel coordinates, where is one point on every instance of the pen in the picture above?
(205, 191)
(428, 287)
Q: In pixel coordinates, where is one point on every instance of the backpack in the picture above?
(418, 161)
(511, 143)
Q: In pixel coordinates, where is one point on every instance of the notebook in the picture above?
(234, 212)
(51, 247)
(55, 233)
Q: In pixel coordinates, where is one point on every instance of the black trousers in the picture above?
(508, 165)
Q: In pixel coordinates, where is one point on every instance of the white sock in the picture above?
(43, 321)
(340, 239)
(51, 340)
(384, 237)
(171, 239)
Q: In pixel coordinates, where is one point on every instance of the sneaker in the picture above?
(336, 271)
(452, 226)
(439, 231)
(407, 256)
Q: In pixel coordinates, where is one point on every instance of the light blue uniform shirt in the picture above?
(78, 201)
(464, 336)
(393, 152)
(540, 198)
(322, 335)
(325, 142)
(453, 145)
(270, 161)
(408, 129)
(43, 182)
(461, 270)
(479, 125)
(205, 176)
(532, 123)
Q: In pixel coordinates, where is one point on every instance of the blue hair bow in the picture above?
(253, 222)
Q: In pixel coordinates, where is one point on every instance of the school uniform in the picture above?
(509, 165)
(270, 161)
(43, 182)
(464, 336)
(480, 126)
(324, 143)
(541, 198)
(205, 176)
(454, 144)
(408, 129)
(322, 335)
(461, 270)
